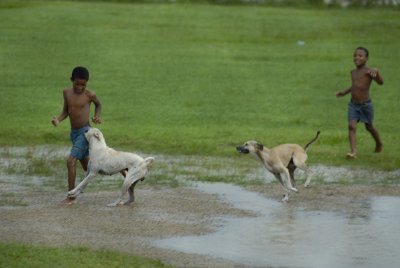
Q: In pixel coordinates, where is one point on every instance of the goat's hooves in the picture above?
(294, 190)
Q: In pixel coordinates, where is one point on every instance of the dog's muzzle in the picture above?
(242, 150)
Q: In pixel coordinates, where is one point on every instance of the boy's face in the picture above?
(79, 85)
(360, 57)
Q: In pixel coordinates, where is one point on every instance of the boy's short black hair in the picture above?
(363, 49)
(80, 73)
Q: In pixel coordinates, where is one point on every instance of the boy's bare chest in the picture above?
(360, 79)
(78, 101)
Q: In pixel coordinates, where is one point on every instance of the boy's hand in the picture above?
(343, 93)
(373, 73)
(55, 121)
(96, 120)
(339, 94)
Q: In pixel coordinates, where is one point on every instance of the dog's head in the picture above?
(94, 133)
(250, 147)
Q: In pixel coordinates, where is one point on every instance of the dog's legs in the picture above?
(78, 189)
(307, 171)
(126, 187)
(131, 193)
(292, 167)
(285, 197)
(287, 185)
(291, 173)
(288, 181)
(308, 176)
(133, 176)
(299, 161)
(279, 178)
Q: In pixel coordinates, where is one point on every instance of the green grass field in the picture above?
(13, 255)
(198, 79)
(193, 79)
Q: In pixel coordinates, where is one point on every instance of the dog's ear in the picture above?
(260, 147)
(97, 136)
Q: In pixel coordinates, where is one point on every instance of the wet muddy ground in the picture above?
(283, 235)
(213, 225)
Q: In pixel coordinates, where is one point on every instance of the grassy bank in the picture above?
(198, 79)
(15, 255)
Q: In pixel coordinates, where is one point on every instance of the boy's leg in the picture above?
(375, 135)
(71, 166)
(352, 138)
(79, 150)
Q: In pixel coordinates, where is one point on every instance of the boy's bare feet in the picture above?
(351, 155)
(69, 201)
(378, 148)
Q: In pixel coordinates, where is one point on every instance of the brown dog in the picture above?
(281, 161)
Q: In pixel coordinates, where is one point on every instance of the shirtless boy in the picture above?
(360, 106)
(77, 102)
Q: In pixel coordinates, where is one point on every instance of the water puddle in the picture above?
(283, 236)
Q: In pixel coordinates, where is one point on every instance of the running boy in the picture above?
(360, 106)
(77, 102)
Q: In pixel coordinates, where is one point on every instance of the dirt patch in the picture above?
(158, 212)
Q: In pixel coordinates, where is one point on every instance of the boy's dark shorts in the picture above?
(80, 146)
(363, 112)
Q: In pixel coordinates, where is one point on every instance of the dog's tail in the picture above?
(312, 141)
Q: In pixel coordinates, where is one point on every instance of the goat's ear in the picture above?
(260, 146)
(97, 136)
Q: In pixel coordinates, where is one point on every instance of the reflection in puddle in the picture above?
(285, 236)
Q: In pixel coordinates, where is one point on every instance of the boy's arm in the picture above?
(346, 91)
(343, 92)
(97, 108)
(64, 114)
(375, 75)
